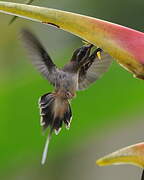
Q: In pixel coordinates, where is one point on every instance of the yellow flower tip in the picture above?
(99, 55)
(133, 155)
(100, 162)
(105, 161)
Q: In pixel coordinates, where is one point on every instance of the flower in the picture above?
(125, 45)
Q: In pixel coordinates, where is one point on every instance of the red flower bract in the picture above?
(124, 44)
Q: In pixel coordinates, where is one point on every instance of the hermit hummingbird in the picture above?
(83, 69)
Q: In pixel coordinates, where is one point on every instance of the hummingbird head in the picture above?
(81, 54)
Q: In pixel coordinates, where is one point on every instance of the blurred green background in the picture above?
(106, 117)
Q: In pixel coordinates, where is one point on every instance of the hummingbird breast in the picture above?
(66, 83)
(59, 107)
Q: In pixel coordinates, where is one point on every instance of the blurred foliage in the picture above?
(115, 95)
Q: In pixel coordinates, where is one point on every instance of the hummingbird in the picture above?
(83, 69)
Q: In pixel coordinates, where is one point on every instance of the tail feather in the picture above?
(68, 117)
(45, 104)
(44, 155)
(57, 124)
(49, 119)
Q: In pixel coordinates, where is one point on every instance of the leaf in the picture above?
(122, 43)
(130, 155)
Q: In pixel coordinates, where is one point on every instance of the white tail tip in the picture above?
(44, 156)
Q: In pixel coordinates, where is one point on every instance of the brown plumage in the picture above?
(83, 69)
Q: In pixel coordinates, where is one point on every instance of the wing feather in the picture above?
(39, 56)
(90, 73)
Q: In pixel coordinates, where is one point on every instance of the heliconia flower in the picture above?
(15, 17)
(124, 44)
(130, 155)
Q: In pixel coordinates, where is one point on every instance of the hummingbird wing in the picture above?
(39, 56)
(93, 69)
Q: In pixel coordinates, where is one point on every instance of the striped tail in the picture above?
(50, 118)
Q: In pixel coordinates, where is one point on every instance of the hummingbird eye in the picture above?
(69, 95)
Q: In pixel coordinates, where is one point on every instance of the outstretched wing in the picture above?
(93, 69)
(39, 56)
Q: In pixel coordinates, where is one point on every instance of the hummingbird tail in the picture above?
(46, 105)
(44, 155)
(54, 112)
